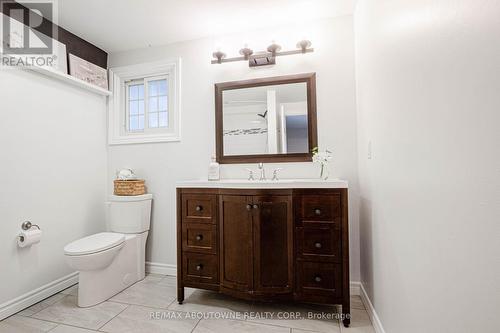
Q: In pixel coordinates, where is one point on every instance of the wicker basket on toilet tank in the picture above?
(130, 187)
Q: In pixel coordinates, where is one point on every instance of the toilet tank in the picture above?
(129, 214)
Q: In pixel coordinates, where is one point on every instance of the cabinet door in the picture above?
(273, 244)
(236, 242)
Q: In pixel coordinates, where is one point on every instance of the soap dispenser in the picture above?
(214, 170)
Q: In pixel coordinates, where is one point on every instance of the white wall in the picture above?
(428, 96)
(163, 164)
(53, 173)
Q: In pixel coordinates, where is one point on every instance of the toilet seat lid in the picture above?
(94, 243)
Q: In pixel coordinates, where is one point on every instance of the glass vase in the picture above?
(324, 173)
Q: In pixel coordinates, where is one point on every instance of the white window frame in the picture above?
(120, 78)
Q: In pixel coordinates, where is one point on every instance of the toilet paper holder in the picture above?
(27, 225)
(24, 237)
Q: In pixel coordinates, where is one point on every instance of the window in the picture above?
(145, 103)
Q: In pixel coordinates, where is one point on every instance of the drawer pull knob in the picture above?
(318, 245)
(255, 206)
(317, 278)
(199, 237)
(317, 211)
(249, 207)
(199, 208)
(199, 267)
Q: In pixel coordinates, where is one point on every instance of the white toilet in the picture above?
(109, 262)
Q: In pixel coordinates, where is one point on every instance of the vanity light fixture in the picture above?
(219, 56)
(246, 52)
(304, 45)
(263, 58)
(273, 48)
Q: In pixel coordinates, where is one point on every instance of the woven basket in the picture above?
(130, 187)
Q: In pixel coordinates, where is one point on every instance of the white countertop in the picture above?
(277, 184)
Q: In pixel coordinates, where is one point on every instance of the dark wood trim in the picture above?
(308, 78)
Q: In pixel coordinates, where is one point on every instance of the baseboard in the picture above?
(22, 302)
(377, 324)
(355, 288)
(158, 268)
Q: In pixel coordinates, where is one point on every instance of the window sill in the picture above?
(133, 139)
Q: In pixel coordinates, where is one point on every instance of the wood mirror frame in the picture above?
(308, 78)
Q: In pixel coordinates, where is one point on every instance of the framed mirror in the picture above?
(266, 120)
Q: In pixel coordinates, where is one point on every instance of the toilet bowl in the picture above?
(94, 252)
(109, 262)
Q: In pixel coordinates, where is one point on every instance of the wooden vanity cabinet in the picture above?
(269, 244)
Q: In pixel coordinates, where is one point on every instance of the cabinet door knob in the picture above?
(199, 267)
(317, 211)
(199, 237)
(318, 245)
(317, 278)
(255, 206)
(249, 207)
(199, 208)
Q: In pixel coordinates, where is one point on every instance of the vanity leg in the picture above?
(180, 294)
(346, 314)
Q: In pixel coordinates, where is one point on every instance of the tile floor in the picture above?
(150, 306)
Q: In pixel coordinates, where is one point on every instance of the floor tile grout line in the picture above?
(125, 308)
(305, 330)
(59, 324)
(34, 313)
(72, 325)
(290, 329)
(53, 328)
(175, 300)
(147, 306)
(199, 320)
(281, 326)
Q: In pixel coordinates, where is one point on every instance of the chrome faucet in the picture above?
(275, 173)
(262, 171)
(250, 174)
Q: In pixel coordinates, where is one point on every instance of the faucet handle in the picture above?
(275, 173)
(250, 174)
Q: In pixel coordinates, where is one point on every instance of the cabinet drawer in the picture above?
(200, 268)
(322, 242)
(200, 208)
(199, 237)
(319, 207)
(319, 279)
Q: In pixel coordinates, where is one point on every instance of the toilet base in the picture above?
(128, 267)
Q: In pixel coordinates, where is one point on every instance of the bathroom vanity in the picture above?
(283, 240)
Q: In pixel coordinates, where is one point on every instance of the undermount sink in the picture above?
(281, 183)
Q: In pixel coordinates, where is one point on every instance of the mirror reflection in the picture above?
(265, 120)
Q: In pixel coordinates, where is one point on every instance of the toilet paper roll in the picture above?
(29, 237)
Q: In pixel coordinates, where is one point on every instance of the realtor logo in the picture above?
(27, 27)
